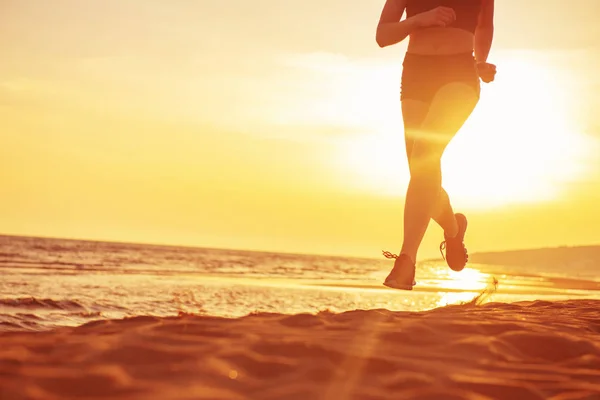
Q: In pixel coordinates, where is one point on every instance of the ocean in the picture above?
(46, 283)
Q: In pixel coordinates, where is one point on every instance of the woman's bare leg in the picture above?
(414, 113)
(425, 198)
(443, 214)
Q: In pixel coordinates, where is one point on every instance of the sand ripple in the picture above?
(537, 350)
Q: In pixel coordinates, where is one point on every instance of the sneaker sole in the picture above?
(395, 285)
(460, 266)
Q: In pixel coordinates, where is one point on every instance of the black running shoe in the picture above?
(403, 274)
(456, 252)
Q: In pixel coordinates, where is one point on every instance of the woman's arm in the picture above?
(390, 29)
(484, 33)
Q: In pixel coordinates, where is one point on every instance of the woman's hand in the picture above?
(486, 71)
(439, 16)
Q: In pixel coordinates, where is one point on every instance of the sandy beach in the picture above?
(528, 350)
(202, 200)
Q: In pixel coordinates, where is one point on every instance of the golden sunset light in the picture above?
(319, 199)
(166, 131)
(514, 150)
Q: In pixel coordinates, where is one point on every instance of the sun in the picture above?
(520, 145)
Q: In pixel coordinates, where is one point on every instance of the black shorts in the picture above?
(424, 75)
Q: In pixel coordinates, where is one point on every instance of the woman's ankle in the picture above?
(411, 256)
(451, 231)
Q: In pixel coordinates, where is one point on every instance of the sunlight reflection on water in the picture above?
(57, 282)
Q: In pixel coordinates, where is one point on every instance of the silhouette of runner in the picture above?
(447, 56)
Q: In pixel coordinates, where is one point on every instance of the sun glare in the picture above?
(467, 279)
(521, 143)
(466, 283)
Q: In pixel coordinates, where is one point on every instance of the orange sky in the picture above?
(275, 125)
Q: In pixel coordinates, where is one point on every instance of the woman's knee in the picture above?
(425, 164)
(427, 180)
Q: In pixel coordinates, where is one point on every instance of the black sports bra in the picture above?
(467, 11)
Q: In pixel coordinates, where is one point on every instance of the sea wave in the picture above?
(33, 303)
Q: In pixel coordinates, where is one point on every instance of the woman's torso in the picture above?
(456, 38)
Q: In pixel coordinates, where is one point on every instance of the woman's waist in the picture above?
(441, 41)
(457, 65)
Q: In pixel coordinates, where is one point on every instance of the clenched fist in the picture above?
(439, 16)
(486, 71)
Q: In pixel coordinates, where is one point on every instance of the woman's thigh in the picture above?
(430, 126)
(413, 115)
